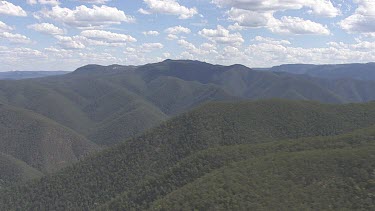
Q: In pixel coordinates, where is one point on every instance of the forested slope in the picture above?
(149, 170)
(94, 99)
(38, 141)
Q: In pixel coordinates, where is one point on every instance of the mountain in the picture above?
(340, 71)
(269, 154)
(18, 75)
(15, 171)
(39, 142)
(108, 104)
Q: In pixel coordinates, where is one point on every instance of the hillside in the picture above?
(309, 180)
(148, 171)
(38, 141)
(108, 104)
(15, 171)
(339, 71)
(18, 75)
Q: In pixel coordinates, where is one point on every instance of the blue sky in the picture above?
(66, 34)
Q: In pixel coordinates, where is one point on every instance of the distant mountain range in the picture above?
(108, 104)
(18, 75)
(339, 71)
(149, 137)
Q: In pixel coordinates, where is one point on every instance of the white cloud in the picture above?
(317, 7)
(84, 17)
(32, 2)
(169, 7)
(144, 12)
(208, 47)
(249, 18)
(95, 1)
(13, 56)
(147, 47)
(8, 8)
(235, 27)
(297, 26)
(166, 55)
(271, 41)
(44, 2)
(285, 25)
(4, 27)
(172, 37)
(151, 33)
(269, 52)
(178, 30)
(107, 36)
(46, 28)
(260, 14)
(90, 38)
(15, 38)
(363, 19)
(70, 42)
(222, 35)
(205, 48)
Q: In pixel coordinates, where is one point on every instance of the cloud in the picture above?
(268, 52)
(13, 57)
(178, 30)
(8, 8)
(66, 42)
(95, 1)
(15, 38)
(169, 7)
(148, 47)
(222, 35)
(363, 19)
(284, 25)
(248, 18)
(48, 2)
(107, 36)
(151, 33)
(236, 27)
(172, 37)
(260, 14)
(32, 2)
(297, 26)
(85, 17)
(46, 28)
(323, 8)
(144, 12)
(271, 41)
(205, 48)
(94, 38)
(4, 27)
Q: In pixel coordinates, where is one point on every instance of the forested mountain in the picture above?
(18, 75)
(15, 171)
(108, 104)
(338, 71)
(51, 122)
(270, 154)
(32, 145)
(38, 141)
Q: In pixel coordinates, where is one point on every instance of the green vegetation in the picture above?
(95, 99)
(38, 141)
(218, 156)
(15, 171)
(314, 180)
(230, 141)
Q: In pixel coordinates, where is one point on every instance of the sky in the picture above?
(66, 34)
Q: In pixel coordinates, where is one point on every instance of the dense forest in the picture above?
(109, 104)
(270, 154)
